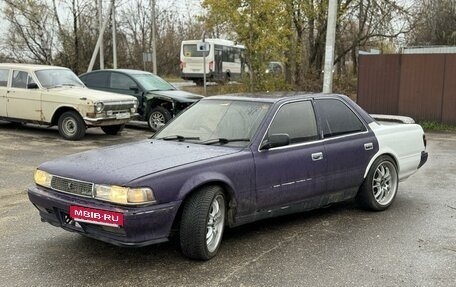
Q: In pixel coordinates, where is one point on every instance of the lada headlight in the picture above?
(42, 178)
(99, 106)
(124, 195)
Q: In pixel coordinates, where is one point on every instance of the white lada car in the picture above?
(50, 95)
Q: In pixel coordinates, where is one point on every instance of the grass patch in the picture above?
(213, 90)
(437, 127)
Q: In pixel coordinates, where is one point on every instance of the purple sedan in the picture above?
(227, 161)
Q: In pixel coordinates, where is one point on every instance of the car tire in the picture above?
(157, 117)
(379, 188)
(71, 126)
(112, 130)
(202, 223)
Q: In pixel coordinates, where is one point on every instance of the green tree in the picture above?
(257, 24)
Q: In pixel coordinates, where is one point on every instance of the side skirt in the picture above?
(305, 205)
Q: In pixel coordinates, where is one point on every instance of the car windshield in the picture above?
(151, 82)
(219, 122)
(51, 78)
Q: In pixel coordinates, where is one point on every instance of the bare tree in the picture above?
(31, 30)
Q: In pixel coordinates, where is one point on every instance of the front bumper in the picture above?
(109, 120)
(142, 225)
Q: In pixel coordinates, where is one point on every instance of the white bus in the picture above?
(224, 61)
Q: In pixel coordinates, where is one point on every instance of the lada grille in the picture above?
(72, 186)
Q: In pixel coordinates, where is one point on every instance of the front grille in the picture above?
(72, 186)
(119, 105)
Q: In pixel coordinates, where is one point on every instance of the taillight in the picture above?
(182, 65)
(211, 65)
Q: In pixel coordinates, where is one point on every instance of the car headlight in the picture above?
(99, 106)
(42, 178)
(124, 195)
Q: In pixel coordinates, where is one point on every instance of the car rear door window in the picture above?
(337, 118)
(297, 120)
(4, 77)
(96, 80)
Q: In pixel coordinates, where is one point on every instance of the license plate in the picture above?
(96, 216)
(196, 70)
(121, 116)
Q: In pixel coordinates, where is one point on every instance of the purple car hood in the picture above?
(121, 164)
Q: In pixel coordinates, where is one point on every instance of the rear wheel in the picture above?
(71, 126)
(202, 223)
(380, 186)
(158, 117)
(112, 130)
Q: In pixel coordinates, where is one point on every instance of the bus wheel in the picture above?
(199, 82)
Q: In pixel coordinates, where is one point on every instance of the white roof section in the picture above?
(29, 67)
(215, 41)
(429, 50)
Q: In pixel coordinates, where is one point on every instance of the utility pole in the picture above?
(203, 39)
(100, 25)
(114, 36)
(154, 48)
(100, 39)
(330, 44)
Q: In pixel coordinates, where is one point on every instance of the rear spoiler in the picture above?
(393, 118)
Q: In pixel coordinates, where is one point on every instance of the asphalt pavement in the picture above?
(413, 243)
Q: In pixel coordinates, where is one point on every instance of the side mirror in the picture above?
(134, 88)
(32, 86)
(276, 140)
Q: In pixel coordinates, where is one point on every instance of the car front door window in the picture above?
(21, 79)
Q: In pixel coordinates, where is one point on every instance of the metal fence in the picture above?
(419, 86)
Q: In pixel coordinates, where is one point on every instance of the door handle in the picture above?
(317, 156)
(368, 146)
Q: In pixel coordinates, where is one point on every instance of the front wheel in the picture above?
(202, 223)
(112, 130)
(71, 126)
(157, 118)
(380, 186)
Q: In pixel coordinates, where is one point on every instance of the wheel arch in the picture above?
(388, 153)
(59, 112)
(191, 186)
(166, 103)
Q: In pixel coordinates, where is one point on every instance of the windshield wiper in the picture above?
(224, 141)
(178, 138)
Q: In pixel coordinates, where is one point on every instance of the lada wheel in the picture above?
(202, 223)
(157, 118)
(112, 130)
(380, 186)
(71, 126)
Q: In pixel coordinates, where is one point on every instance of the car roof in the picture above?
(30, 67)
(124, 71)
(271, 97)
